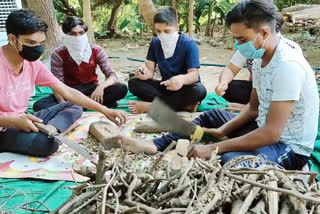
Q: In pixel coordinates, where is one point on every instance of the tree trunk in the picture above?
(24, 4)
(112, 24)
(208, 28)
(147, 10)
(190, 23)
(45, 9)
(87, 18)
(174, 4)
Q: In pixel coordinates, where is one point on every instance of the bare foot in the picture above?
(138, 146)
(137, 107)
(193, 107)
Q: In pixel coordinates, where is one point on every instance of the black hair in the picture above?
(255, 13)
(279, 22)
(24, 22)
(166, 15)
(71, 22)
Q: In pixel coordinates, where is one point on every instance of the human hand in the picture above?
(117, 116)
(97, 95)
(144, 73)
(221, 88)
(174, 83)
(25, 122)
(202, 151)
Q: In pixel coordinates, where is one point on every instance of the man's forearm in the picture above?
(245, 116)
(226, 75)
(58, 97)
(6, 121)
(248, 142)
(191, 77)
(82, 100)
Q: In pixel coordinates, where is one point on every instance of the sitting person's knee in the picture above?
(43, 146)
(133, 83)
(200, 90)
(123, 89)
(76, 110)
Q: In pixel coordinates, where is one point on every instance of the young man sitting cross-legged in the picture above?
(20, 70)
(75, 64)
(280, 123)
(177, 57)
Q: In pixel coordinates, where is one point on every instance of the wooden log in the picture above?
(236, 206)
(260, 208)
(87, 171)
(273, 197)
(298, 7)
(249, 199)
(180, 160)
(182, 147)
(106, 134)
(149, 127)
(101, 167)
(285, 207)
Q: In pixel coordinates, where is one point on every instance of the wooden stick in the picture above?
(104, 194)
(249, 199)
(281, 190)
(132, 186)
(273, 198)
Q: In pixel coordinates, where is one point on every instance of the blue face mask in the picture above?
(249, 51)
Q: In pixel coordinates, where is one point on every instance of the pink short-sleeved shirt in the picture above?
(16, 89)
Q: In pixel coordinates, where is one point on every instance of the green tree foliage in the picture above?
(207, 13)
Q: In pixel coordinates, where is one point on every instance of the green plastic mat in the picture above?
(212, 100)
(314, 161)
(17, 192)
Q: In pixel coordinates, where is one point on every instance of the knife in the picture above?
(167, 118)
(74, 146)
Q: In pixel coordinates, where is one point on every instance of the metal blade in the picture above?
(167, 118)
(74, 146)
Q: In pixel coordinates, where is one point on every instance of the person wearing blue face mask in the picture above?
(280, 122)
(238, 92)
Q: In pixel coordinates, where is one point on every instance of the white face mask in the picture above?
(168, 43)
(78, 47)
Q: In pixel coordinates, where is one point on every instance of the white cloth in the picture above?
(288, 76)
(168, 43)
(78, 47)
(238, 60)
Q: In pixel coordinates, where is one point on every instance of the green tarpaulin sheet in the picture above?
(211, 101)
(314, 161)
(16, 192)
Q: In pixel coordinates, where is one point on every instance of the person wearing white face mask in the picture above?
(75, 64)
(177, 57)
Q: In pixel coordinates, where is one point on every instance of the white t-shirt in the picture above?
(288, 76)
(240, 61)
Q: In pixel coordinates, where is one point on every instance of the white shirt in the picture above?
(288, 76)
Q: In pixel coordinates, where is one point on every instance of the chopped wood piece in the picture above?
(106, 134)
